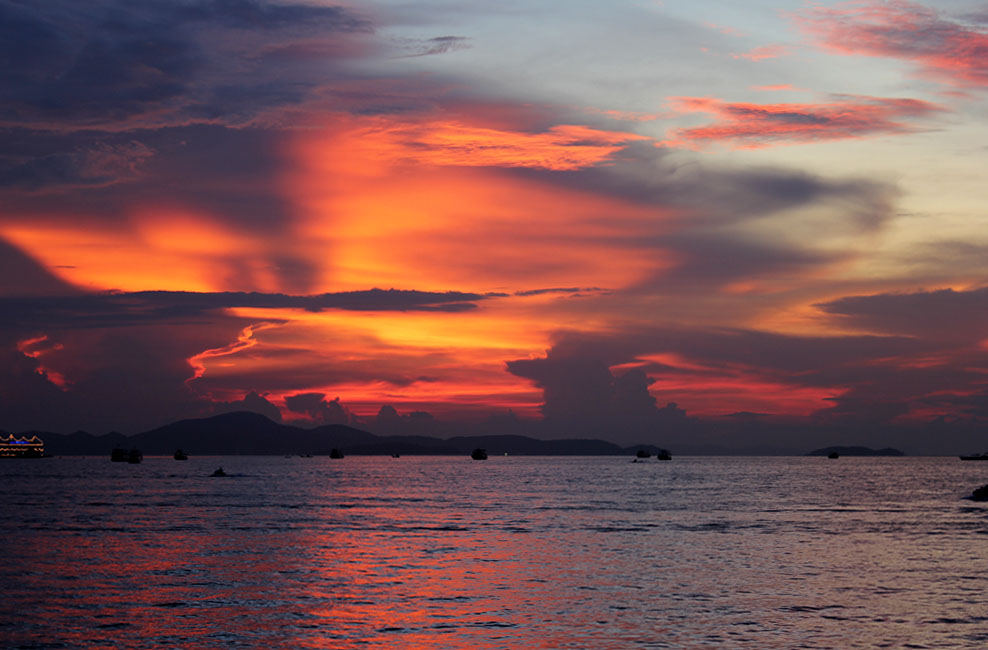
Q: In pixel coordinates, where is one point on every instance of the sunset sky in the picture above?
(705, 222)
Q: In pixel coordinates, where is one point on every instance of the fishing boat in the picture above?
(479, 454)
(335, 453)
(180, 455)
(14, 447)
(663, 454)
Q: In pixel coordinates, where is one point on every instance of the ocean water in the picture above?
(515, 552)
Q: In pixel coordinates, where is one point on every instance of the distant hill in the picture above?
(856, 451)
(248, 433)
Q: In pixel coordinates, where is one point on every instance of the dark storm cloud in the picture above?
(582, 392)
(125, 309)
(103, 62)
(715, 225)
(101, 165)
(800, 356)
(131, 378)
(717, 195)
(582, 397)
(716, 259)
(944, 314)
(20, 275)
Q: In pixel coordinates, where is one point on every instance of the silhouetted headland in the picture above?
(250, 433)
(855, 451)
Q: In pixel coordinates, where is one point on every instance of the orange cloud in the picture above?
(754, 126)
(561, 147)
(946, 50)
(365, 195)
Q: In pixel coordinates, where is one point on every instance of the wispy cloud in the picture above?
(944, 49)
(561, 147)
(743, 125)
(763, 52)
(437, 45)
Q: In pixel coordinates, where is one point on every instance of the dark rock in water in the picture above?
(980, 494)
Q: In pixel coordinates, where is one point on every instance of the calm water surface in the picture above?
(596, 553)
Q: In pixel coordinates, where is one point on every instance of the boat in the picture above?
(14, 447)
(121, 455)
(180, 455)
(479, 454)
(983, 456)
(663, 454)
(641, 453)
(219, 472)
(335, 453)
(833, 454)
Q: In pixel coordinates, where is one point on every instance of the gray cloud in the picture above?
(111, 61)
(125, 309)
(944, 314)
(437, 45)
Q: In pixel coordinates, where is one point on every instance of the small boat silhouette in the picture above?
(663, 454)
(180, 455)
(833, 454)
(219, 472)
(479, 454)
(335, 453)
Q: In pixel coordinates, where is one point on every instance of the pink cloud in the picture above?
(946, 50)
(763, 52)
(773, 87)
(754, 126)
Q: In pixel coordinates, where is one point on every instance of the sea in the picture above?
(593, 553)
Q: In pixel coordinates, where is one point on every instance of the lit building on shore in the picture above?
(14, 447)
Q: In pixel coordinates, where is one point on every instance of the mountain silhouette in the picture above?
(244, 432)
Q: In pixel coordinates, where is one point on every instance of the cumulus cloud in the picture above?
(252, 401)
(583, 397)
(317, 409)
